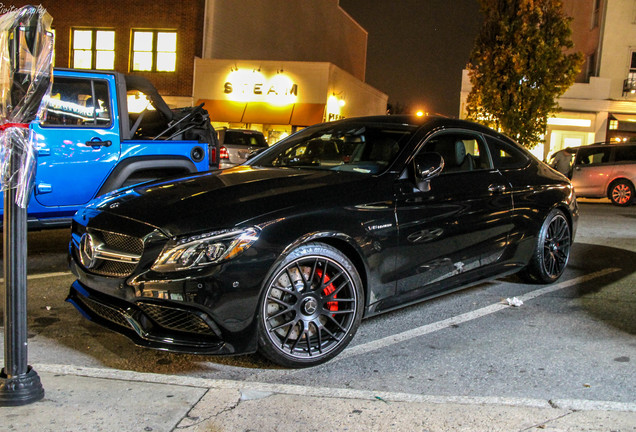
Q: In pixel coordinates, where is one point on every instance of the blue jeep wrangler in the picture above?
(90, 143)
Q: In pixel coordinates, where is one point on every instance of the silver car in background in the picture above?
(236, 145)
(604, 170)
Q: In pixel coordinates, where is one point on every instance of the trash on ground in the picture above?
(512, 302)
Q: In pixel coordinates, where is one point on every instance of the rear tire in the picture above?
(552, 250)
(621, 193)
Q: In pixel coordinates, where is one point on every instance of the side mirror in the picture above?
(426, 166)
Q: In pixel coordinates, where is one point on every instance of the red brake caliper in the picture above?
(332, 305)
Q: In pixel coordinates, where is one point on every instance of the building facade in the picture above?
(277, 65)
(269, 65)
(601, 105)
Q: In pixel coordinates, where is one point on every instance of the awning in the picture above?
(625, 117)
(626, 122)
(299, 114)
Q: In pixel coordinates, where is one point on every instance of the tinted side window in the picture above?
(626, 153)
(593, 156)
(78, 102)
(461, 151)
(505, 155)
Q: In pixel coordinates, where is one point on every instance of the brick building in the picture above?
(120, 19)
(270, 65)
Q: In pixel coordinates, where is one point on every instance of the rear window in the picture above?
(244, 138)
(505, 155)
(626, 154)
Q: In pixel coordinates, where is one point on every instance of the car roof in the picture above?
(413, 120)
(607, 144)
(246, 131)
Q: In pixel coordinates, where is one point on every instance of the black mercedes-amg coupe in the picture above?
(286, 253)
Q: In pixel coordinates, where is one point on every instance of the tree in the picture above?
(396, 108)
(519, 66)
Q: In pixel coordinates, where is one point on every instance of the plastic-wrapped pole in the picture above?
(26, 47)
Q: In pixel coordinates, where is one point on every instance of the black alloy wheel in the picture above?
(552, 250)
(621, 193)
(311, 307)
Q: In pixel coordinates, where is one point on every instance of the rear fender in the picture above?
(126, 168)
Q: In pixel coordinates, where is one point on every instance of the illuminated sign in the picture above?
(333, 108)
(559, 121)
(243, 85)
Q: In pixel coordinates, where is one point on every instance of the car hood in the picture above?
(227, 198)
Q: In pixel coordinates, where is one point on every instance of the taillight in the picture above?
(223, 153)
(212, 156)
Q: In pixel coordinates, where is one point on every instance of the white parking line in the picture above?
(44, 275)
(468, 316)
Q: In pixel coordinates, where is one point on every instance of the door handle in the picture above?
(96, 142)
(43, 188)
(496, 188)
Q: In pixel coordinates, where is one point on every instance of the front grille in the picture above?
(112, 314)
(143, 317)
(176, 319)
(114, 269)
(122, 242)
(113, 266)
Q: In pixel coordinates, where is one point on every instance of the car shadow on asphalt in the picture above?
(611, 298)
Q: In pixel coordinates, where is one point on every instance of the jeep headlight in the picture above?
(204, 249)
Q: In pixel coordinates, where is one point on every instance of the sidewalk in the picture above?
(85, 399)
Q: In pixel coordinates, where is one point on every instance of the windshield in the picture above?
(366, 149)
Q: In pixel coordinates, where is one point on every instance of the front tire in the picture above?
(552, 250)
(621, 193)
(311, 307)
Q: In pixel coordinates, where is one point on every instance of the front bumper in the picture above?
(151, 324)
(204, 312)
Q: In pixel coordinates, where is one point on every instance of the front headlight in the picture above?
(204, 249)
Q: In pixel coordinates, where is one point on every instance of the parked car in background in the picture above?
(604, 170)
(237, 145)
(91, 142)
(340, 221)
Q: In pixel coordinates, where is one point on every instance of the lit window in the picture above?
(105, 50)
(154, 51)
(166, 51)
(93, 49)
(613, 124)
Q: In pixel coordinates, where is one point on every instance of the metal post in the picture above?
(19, 382)
(27, 57)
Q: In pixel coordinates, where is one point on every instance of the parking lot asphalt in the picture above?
(561, 361)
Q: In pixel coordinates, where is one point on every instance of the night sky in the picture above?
(417, 49)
